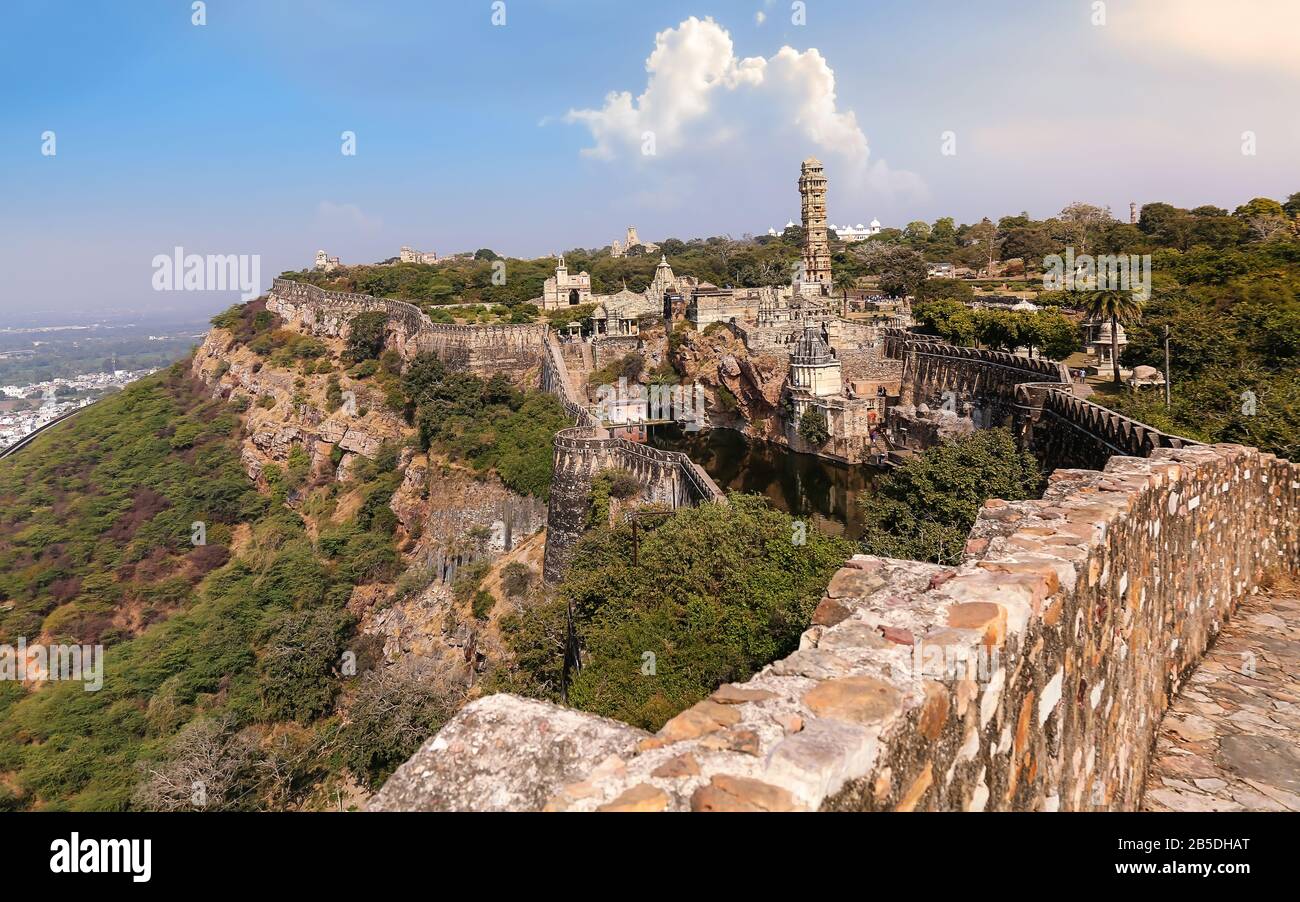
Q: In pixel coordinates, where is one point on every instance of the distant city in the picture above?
(26, 408)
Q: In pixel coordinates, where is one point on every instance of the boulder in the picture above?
(504, 753)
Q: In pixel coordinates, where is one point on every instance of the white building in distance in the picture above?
(858, 232)
(407, 255)
(848, 234)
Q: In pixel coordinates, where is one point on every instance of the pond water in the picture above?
(802, 485)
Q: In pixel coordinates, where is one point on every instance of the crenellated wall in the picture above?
(1034, 396)
(1064, 431)
(669, 478)
(516, 350)
(941, 375)
(1030, 677)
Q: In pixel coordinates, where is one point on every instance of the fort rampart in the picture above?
(525, 352)
(516, 350)
(668, 478)
(1033, 396)
(1030, 676)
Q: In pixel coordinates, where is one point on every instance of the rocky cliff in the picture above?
(287, 409)
(743, 390)
(449, 518)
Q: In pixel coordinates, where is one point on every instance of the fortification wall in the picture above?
(1030, 677)
(937, 375)
(868, 364)
(605, 350)
(1034, 396)
(515, 350)
(669, 478)
(555, 378)
(1064, 431)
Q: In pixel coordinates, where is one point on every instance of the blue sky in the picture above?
(225, 138)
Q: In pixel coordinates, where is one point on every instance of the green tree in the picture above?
(984, 237)
(950, 320)
(924, 509)
(901, 271)
(945, 289)
(717, 592)
(917, 232)
(844, 282)
(1116, 307)
(297, 670)
(1053, 333)
(813, 428)
(366, 335)
(1292, 205)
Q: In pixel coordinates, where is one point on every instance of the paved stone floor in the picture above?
(1231, 740)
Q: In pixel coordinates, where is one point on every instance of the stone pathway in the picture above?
(1231, 740)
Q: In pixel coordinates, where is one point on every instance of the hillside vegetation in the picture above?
(716, 592)
(223, 661)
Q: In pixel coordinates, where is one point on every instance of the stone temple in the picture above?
(814, 370)
(834, 364)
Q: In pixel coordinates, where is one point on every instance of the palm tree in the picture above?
(1116, 307)
(844, 282)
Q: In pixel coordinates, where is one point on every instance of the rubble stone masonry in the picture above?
(516, 350)
(1032, 676)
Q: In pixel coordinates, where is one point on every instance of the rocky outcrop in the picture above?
(281, 414)
(504, 753)
(719, 360)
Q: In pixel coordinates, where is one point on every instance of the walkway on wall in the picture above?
(1231, 740)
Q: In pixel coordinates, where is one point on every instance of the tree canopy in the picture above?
(924, 509)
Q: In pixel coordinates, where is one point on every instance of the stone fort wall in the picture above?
(529, 354)
(1031, 676)
(516, 350)
(581, 452)
(1033, 396)
(935, 373)
(669, 478)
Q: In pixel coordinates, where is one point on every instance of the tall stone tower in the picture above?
(816, 250)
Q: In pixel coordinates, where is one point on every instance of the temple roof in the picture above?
(811, 347)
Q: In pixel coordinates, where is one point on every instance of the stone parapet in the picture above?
(1065, 431)
(669, 478)
(1032, 676)
(515, 349)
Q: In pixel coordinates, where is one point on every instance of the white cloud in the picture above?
(729, 133)
(760, 17)
(699, 93)
(1244, 34)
